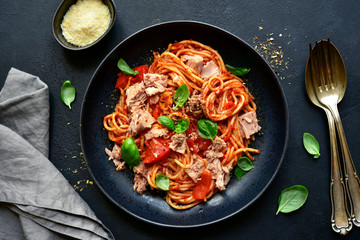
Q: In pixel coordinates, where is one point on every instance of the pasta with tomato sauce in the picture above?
(191, 120)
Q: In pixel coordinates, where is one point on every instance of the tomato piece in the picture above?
(157, 150)
(193, 147)
(202, 187)
(140, 76)
(122, 80)
(157, 111)
(199, 143)
(203, 144)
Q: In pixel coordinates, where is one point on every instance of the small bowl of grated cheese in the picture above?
(80, 24)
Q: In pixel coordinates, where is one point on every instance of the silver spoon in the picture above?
(340, 220)
(329, 82)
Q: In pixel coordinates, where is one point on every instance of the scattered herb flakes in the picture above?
(271, 52)
(78, 169)
(82, 184)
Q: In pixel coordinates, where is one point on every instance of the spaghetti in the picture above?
(188, 160)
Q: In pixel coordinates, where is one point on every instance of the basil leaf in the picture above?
(182, 125)
(239, 173)
(207, 129)
(311, 145)
(122, 65)
(67, 93)
(166, 122)
(180, 97)
(292, 198)
(130, 152)
(237, 71)
(163, 182)
(245, 164)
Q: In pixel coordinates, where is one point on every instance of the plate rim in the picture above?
(286, 117)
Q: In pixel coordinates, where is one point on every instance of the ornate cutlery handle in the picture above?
(351, 178)
(340, 220)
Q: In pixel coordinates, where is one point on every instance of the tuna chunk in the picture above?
(214, 150)
(195, 170)
(178, 143)
(249, 124)
(210, 69)
(176, 79)
(213, 155)
(194, 104)
(154, 99)
(219, 173)
(136, 96)
(140, 184)
(155, 132)
(120, 165)
(140, 121)
(195, 62)
(140, 181)
(218, 144)
(154, 83)
(115, 155)
(141, 169)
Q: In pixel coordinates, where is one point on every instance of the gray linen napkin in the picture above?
(36, 201)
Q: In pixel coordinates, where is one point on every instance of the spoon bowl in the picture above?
(338, 71)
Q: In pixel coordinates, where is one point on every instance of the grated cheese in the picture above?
(85, 22)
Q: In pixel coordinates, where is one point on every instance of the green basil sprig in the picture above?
(122, 65)
(207, 129)
(244, 164)
(180, 97)
(130, 152)
(311, 145)
(166, 122)
(239, 173)
(237, 71)
(180, 127)
(163, 182)
(67, 93)
(292, 198)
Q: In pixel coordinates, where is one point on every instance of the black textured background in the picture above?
(26, 43)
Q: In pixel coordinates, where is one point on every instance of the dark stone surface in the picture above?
(27, 44)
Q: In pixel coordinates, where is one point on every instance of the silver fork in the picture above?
(330, 86)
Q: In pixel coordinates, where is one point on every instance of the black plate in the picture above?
(151, 207)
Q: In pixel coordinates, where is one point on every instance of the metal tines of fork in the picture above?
(329, 83)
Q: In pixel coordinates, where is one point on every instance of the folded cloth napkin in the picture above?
(36, 201)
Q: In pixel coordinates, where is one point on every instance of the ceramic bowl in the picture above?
(58, 18)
